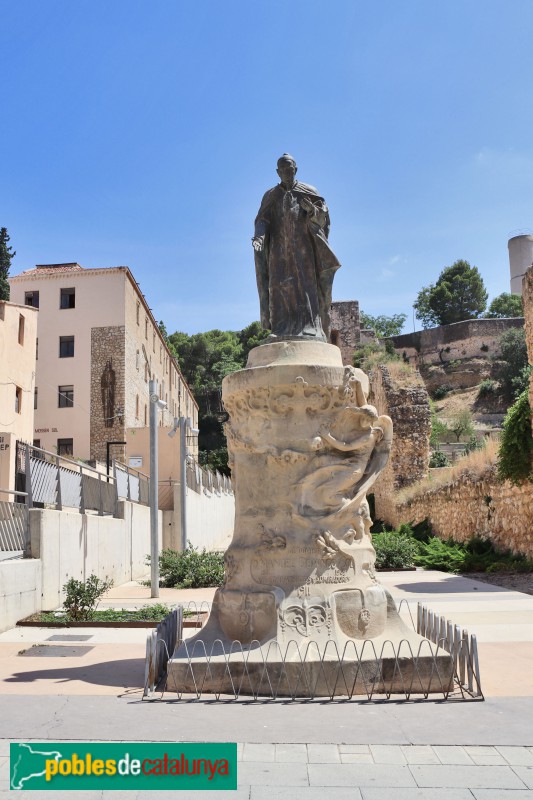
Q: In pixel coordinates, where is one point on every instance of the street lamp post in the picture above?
(181, 424)
(155, 404)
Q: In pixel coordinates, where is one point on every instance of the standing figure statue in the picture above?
(294, 263)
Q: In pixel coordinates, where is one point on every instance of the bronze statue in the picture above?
(294, 263)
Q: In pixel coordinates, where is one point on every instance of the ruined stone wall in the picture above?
(107, 345)
(475, 505)
(458, 340)
(459, 355)
(399, 391)
(527, 297)
(345, 328)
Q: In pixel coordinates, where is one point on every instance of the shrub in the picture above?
(516, 447)
(191, 568)
(441, 391)
(395, 549)
(82, 596)
(514, 362)
(436, 554)
(487, 388)
(438, 459)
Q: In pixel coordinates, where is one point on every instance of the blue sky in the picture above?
(145, 132)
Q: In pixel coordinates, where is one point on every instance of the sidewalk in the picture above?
(305, 751)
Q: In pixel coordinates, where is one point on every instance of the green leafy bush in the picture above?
(441, 391)
(488, 388)
(514, 370)
(191, 569)
(436, 554)
(81, 597)
(516, 446)
(395, 549)
(438, 459)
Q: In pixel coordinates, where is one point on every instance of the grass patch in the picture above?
(151, 613)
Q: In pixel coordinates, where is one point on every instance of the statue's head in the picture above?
(287, 169)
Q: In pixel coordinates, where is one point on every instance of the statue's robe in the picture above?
(296, 267)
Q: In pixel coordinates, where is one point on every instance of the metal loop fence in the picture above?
(444, 664)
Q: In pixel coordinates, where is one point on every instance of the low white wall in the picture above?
(20, 590)
(210, 520)
(72, 545)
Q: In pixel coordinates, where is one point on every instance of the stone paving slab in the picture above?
(373, 793)
(468, 777)
(360, 775)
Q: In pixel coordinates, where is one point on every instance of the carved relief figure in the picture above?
(354, 451)
(294, 263)
(107, 383)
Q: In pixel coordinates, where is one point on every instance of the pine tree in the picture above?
(6, 256)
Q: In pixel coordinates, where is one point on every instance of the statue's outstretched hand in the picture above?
(258, 243)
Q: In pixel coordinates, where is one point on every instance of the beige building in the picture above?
(18, 332)
(98, 346)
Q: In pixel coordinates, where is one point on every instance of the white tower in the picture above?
(520, 258)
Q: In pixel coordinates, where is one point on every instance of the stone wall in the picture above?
(475, 505)
(399, 391)
(345, 328)
(107, 345)
(527, 297)
(461, 354)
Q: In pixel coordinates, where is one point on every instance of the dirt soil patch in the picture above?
(515, 581)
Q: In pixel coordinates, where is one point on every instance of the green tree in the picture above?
(461, 424)
(506, 305)
(382, 325)
(458, 294)
(205, 359)
(515, 453)
(439, 429)
(6, 257)
(514, 373)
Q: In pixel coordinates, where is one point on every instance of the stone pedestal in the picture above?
(305, 447)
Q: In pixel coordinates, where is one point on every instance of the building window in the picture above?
(37, 443)
(138, 313)
(35, 393)
(153, 341)
(146, 328)
(67, 298)
(65, 447)
(145, 415)
(21, 329)
(138, 360)
(18, 400)
(31, 299)
(66, 346)
(137, 407)
(37, 349)
(160, 354)
(65, 396)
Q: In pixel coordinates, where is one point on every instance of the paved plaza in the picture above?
(89, 687)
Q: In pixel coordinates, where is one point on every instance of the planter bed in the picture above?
(33, 621)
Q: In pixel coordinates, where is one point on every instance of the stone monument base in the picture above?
(301, 612)
(400, 662)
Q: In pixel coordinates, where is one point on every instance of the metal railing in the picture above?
(446, 660)
(14, 527)
(131, 484)
(204, 480)
(58, 481)
(160, 644)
